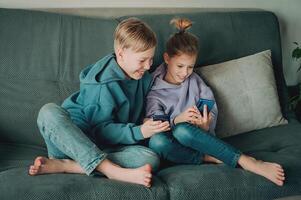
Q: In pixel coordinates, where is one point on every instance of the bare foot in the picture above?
(272, 171)
(43, 165)
(141, 175)
(211, 159)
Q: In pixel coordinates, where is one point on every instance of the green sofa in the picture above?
(41, 55)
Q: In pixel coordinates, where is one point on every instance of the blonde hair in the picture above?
(182, 41)
(135, 34)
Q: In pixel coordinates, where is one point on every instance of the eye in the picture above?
(180, 66)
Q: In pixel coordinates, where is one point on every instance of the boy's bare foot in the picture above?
(272, 171)
(211, 159)
(141, 175)
(43, 165)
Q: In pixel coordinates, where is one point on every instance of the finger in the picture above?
(196, 109)
(163, 129)
(193, 114)
(193, 120)
(205, 112)
(163, 125)
(192, 110)
(147, 119)
(155, 123)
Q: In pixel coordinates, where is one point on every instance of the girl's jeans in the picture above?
(187, 144)
(65, 140)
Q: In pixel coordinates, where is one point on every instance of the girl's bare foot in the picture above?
(43, 165)
(272, 171)
(211, 159)
(141, 175)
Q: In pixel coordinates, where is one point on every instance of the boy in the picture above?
(105, 113)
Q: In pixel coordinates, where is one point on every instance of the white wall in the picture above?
(286, 10)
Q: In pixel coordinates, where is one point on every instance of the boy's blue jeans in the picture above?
(65, 140)
(187, 144)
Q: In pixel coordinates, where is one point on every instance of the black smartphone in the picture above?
(162, 118)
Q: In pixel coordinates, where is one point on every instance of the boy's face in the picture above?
(134, 64)
(179, 67)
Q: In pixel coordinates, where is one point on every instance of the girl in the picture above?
(175, 91)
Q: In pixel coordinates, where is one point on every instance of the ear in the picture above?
(119, 54)
(166, 58)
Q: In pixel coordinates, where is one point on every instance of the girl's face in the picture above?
(179, 67)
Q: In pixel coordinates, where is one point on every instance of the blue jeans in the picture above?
(187, 144)
(65, 140)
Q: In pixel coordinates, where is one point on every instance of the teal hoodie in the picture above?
(109, 106)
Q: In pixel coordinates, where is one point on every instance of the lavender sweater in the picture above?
(166, 98)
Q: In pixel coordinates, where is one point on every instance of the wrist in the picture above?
(175, 120)
(142, 131)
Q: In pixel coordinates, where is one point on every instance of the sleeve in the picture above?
(105, 128)
(74, 107)
(206, 93)
(153, 106)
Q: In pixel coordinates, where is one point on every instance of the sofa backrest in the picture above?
(41, 55)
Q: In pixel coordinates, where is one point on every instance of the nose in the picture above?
(185, 72)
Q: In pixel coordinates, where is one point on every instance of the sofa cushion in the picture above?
(277, 144)
(245, 92)
(17, 184)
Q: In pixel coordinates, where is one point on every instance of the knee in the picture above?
(158, 143)
(47, 109)
(150, 157)
(48, 112)
(183, 133)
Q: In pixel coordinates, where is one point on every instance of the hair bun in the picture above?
(182, 24)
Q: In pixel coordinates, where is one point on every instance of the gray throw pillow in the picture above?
(245, 92)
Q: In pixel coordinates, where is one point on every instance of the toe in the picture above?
(148, 175)
(147, 167)
(281, 178)
(32, 172)
(279, 183)
(278, 166)
(148, 185)
(280, 170)
(147, 180)
(280, 174)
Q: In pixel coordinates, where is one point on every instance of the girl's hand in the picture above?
(190, 115)
(150, 127)
(204, 120)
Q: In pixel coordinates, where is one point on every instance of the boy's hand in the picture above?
(204, 119)
(150, 127)
(190, 115)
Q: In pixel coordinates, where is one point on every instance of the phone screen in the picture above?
(208, 102)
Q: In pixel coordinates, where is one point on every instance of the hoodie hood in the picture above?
(103, 71)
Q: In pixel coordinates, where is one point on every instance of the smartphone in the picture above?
(200, 104)
(162, 118)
